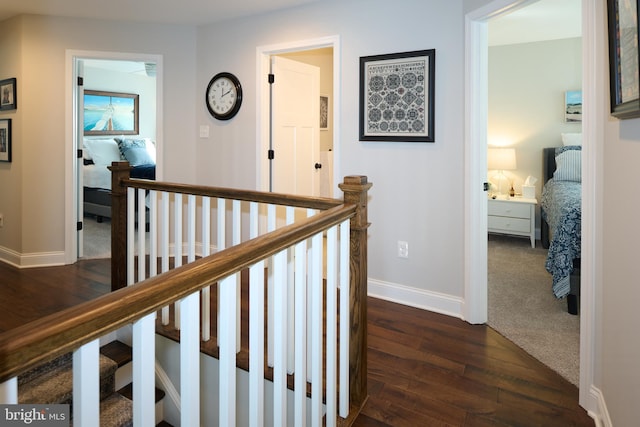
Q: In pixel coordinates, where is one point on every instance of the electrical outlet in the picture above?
(403, 249)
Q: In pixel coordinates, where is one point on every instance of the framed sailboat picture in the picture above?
(110, 113)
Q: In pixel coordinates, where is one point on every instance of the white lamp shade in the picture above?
(501, 158)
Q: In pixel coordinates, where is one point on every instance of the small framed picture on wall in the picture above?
(5, 140)
(8, 96)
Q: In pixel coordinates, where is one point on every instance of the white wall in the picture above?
(417, 193)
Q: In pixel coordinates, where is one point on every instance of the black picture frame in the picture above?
(5, 140)
(623, 58)
(111, 113)
(397, 97)
(8, 94)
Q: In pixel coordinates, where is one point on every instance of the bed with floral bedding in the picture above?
(561, 211)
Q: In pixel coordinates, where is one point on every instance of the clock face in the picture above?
(224, 96)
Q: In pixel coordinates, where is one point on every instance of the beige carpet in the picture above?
(523, 308)
(97, 238)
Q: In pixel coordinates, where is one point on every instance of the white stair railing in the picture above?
(305, 277)
(297, 291)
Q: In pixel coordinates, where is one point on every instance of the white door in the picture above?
(295, 127)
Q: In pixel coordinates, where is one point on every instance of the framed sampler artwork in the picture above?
(397, 98)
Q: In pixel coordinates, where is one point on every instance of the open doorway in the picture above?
(475, 149)
(116, 78)
(323, 54)
(529, 75)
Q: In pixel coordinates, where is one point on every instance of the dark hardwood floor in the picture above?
(425, 369)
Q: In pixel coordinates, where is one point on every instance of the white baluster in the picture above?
(310, 213)
(256, 345)
(177, 247)
(271, 225)
(316, 328)
(206, 251)
(300, 386)
(290, 218)
(236, 239)
(191, 228)
(190, 360)
(164, 247)
(86, 384)
(253, 220)
(131, 219)
(332, 320)
(144, 341)
(153, 233)
(280, 339)
(221, 242)
(345, 301)
(142, 220)
(227, 352)
(9, 391)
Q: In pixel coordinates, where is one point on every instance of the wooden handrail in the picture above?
(26, 347)
(29, 345)
(234, 194)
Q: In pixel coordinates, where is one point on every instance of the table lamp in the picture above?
(501, 159)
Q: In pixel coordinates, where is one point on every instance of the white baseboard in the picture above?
(601, 414)
(39, 259)
(418, 298)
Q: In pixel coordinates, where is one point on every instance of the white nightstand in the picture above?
(515, 216)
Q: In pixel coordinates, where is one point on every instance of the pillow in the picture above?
(103, 151)
(135, 151)
(560, 150)
(568, 166)
(571, 138)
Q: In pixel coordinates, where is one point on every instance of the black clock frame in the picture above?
(238, 103)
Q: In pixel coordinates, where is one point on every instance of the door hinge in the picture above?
(272, 78)
(79, 225)
(485, 186)
(80, 81)
(271, 155)
(79, 154)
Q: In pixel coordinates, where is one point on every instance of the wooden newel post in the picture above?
(119, 171)
(355, 190)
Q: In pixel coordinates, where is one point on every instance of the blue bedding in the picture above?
(561, 208)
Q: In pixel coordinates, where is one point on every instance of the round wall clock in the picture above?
(224, 96)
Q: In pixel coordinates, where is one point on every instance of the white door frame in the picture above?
(263, 55)
(71, 134)
(476, 96)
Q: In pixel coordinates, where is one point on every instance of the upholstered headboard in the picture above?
(548, 163)
(548, 167)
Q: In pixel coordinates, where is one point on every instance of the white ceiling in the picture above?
(539, 21)
(159, 11)
(543, 20)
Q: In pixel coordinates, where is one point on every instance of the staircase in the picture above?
(52, 383)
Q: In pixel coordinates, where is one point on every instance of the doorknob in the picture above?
(318, 166)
